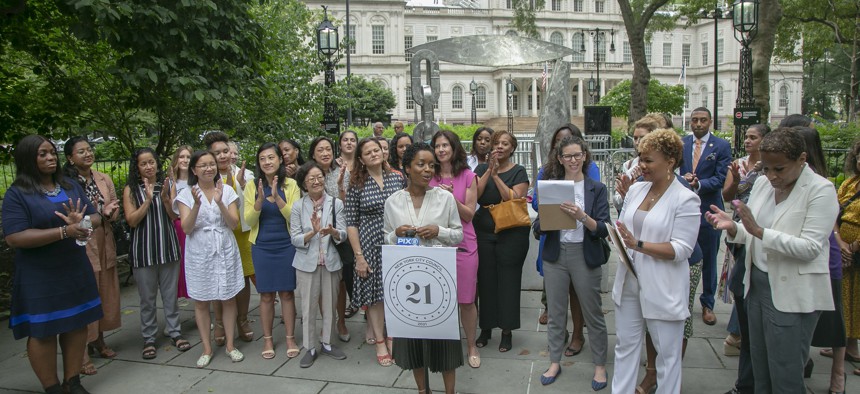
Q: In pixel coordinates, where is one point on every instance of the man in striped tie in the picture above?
(705, 163)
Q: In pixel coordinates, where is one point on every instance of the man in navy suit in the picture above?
(706, 161)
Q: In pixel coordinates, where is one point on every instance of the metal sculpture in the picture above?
(428, 95)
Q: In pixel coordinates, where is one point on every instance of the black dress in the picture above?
(500, 257)
(54, 289)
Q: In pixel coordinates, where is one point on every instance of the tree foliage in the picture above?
(662, 98)
(371, 100)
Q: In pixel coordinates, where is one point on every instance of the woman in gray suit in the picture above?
(785, 227)
(316, 225)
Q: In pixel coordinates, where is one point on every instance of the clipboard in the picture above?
(552, 194)
(620, 248)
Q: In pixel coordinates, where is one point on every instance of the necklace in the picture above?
(52, 193)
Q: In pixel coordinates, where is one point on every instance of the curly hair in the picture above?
(359, 174)
(303, 172)
(477, 134)
(213, 137)
(281, 171)
(554, 169)
(665, 141)
(68, 150)
(783, 140)
(761, 128)
(458, 154)
(27, 175)
(134, 179)
(412, 151)
(851, 159)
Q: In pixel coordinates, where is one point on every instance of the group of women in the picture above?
(209, 228)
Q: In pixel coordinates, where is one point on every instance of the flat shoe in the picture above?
(597, 386)
(204, 360)
(475, 361)
(235, 355)
(547, 380)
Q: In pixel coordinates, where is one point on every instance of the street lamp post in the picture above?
(327, 47)
(745, 21)
(473, 87)
(509, 86)
(598, 34)
(592, 88)
(717, 14)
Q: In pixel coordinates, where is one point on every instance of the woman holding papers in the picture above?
(575, 256)
(658, 226)
(429, 213)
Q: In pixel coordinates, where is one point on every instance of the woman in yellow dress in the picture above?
(848, 237)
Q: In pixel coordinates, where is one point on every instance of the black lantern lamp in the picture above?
(327, 37)
(745, 21)
(327, 47)
(473, 87)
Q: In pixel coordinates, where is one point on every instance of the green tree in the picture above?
(370, 100)
(661, 98)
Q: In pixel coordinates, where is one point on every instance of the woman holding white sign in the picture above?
(431, 215)
(574, 256)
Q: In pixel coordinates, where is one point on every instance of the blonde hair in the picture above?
(665, 141)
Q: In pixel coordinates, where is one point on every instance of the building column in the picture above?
(602, 88)
(534, 113)
(580, 100)
(500, 96)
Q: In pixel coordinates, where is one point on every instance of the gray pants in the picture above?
(151, 280)
(313, 288)
(558, 275)
(779, 341)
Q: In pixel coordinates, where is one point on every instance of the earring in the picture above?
(669, 178)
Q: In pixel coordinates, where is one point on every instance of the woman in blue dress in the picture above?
(54, 292)
(272, 250)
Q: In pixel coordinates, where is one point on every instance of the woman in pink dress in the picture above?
(179, 175)
(453, 174)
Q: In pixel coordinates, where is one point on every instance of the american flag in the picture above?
(543, 77)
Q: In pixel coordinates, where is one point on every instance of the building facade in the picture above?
(382, 30)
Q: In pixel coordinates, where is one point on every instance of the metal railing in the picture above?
(116, 169)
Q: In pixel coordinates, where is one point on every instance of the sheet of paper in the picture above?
(550, 196)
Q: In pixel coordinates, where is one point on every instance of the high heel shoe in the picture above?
(844, 385)
(246, 334)
(483, 338)
(506, 343)
(807, 370)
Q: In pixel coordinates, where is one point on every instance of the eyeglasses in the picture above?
(205, 166)
(315, 179)
(575, 156)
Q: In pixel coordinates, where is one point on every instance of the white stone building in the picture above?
(384, 29)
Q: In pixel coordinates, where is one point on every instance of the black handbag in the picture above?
(344, 249)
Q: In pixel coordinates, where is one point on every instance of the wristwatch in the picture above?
(639, 244)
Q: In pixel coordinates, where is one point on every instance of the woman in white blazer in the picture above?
(317, 223)
(659, 225)
(785, 227)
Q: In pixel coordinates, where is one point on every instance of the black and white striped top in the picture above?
(154, 240)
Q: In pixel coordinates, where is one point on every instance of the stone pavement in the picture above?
(706, 370)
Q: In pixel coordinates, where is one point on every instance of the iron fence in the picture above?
(117, 170)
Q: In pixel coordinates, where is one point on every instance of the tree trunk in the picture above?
(770, 13)
(641, 77)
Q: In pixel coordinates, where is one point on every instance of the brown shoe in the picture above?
(708, 316)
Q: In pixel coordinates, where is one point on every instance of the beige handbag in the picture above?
(510, 214)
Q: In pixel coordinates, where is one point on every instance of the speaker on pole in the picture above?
(598, 120)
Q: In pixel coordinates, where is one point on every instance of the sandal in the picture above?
(506, 343)
(149, 350)
(543, 319)
(268, 354)
(350, 312)
(651, 389)
(483, 338)
(571, 351)
(89, 369)
(384, 360)
(292, 352)
(103, 351)
(220, 340)
(181, 343)
(246, 334)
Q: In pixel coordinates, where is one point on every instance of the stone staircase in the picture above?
(528, 125)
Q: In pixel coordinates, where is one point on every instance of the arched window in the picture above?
(457, 98)
(577, 45)
(704, 92)
(481, 98)
(410, 103)
(556, 38)
(719, 96)
(529, 104)
(783, 96)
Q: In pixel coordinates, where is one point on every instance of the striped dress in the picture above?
(154, 240)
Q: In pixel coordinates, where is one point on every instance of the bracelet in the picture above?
(64, 234)
(583, 220)
(359, 255)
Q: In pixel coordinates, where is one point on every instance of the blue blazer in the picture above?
(711, 170)
(596, 206)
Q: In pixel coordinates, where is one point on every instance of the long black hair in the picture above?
(814, 152)
(69, 149)
(281, 172)
(393, 158)
(27, 175)
(192, 164)
(458, 154)
(134, 180)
